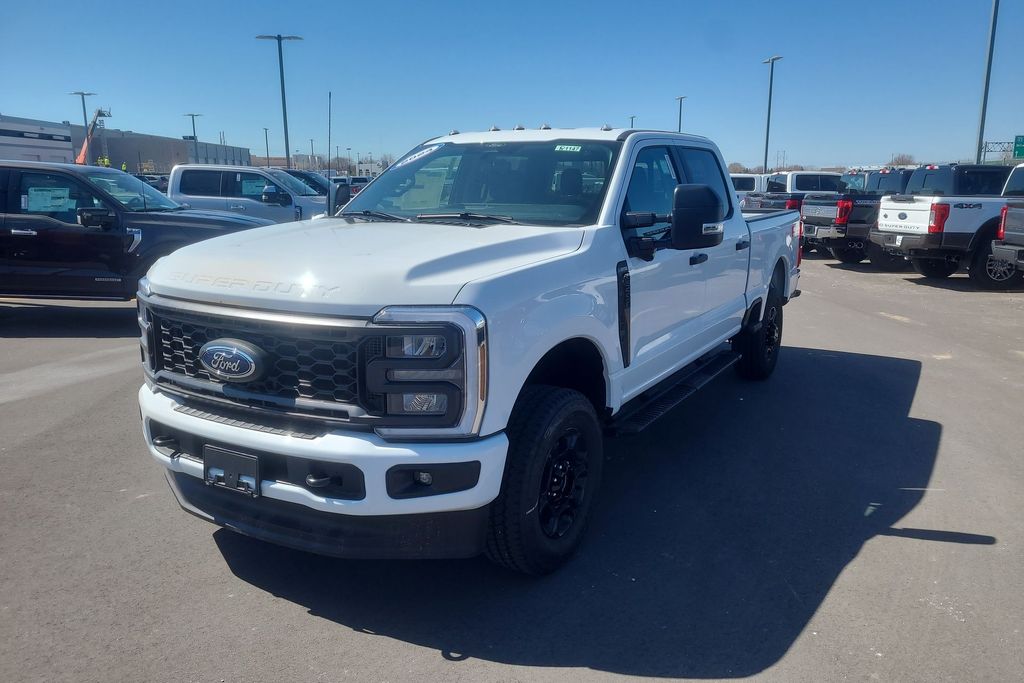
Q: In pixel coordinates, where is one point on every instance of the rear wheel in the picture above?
(934, 269)
(988, 272)
(759, 345)
(845, 255)
(552, 474)
(885, 261)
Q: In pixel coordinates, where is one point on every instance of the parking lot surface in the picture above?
(858, 516)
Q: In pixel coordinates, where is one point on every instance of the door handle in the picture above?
(742, 244)
(236, 207)
(23, 232)
(698, 258)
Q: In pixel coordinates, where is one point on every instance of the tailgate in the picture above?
(1015, 224)
(904, 213)
(817, 211)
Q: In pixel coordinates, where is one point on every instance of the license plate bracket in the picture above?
(231, 470)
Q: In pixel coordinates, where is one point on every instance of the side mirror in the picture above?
(341, 195)
(96, 218)
(272, 195)
(697, 214)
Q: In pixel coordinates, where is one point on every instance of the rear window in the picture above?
(818, 183)
(743, 184)
(978, 181)
(854, 181)
(1014, 184)
(887, 182)
(776, 183)
(200, 183)
(935, 181)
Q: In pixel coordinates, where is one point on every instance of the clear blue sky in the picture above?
(858, 82)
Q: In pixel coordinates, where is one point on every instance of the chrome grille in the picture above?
(307, 362)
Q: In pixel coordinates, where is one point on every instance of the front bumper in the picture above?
(365, 521)
(1009, 252)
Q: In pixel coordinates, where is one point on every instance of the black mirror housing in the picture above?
(697, 215)
(96, 218)
(341, 195)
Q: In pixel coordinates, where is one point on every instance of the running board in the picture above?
(669, 393)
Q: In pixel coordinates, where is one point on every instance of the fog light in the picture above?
(418, 404)
(424, 478)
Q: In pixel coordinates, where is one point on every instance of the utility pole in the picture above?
(195, 140)
(631, 120)
(284, 104)
(311, 154)
(679, 127)
(348, 163)
(266, 141)
(768, 127)
(85, 117)
(328, 133)
(988, 77)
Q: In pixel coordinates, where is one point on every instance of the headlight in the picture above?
(433, 373)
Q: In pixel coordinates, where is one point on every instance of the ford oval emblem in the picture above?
(902, 216)
(232, 360)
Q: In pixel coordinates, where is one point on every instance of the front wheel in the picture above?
(848, 256)
(991, 273)
(934, 269)
(552, 474)
(759, 346)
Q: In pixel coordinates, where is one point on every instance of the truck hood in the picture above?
(351, 267)
(196, 218)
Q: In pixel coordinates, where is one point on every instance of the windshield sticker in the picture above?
(568, 148)
(417, 155)
(251, 188)
(46, 199)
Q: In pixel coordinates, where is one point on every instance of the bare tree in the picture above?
(903, 159)
(736, 167)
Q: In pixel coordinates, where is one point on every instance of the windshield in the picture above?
(130, 192)
(561, 182)
(316, 182)
(854, 181)
(291, 183)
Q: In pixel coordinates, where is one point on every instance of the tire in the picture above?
(884, 261)
(989, 273)
(849, 256)
(759, 349)
(935, 269)
(552, 474)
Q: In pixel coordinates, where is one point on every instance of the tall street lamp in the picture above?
(311, 154)
(266, 140)
(284, 105)
(85, 117)
(631, 120)
(195, 140)
(679, 127)
(768, 127)
(348, 163)
(988, 77)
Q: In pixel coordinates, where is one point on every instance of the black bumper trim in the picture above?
(1009, 252)
(434, 535)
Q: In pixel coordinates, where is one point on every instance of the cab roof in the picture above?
(551, 134)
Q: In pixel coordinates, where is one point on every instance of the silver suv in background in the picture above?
(261, 192)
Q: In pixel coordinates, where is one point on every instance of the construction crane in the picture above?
(83, 156)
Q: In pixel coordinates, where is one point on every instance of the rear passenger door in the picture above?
(243, 190)
(201, 189)
(725, 270)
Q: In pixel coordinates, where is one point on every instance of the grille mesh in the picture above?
(306, 361)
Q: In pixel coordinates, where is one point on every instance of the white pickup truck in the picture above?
(947, 217)
(430, 372)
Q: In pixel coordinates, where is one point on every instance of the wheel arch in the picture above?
(574, 363)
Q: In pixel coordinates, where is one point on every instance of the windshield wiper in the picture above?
(368, 213)
(466, 216)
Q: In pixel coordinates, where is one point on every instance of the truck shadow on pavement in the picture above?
(22, 320)
(718, 534)
(960, 282)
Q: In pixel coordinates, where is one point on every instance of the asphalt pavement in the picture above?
(859, 516)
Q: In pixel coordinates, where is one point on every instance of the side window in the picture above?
(200, 183)
(701, 166)
(245, 185)
(5, 176)
(652, 182)
(776, 183)
(56, 196)
(743, 184)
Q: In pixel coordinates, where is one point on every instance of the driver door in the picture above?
(50, 253)
(243, 190)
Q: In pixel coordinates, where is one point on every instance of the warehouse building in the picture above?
(33, 140)
(143, 153)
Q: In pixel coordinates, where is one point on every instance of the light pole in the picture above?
(328, 133)
(988, 77)
(266, 140)
(631, 120)
(679, 127)
(85, 117)
(284, 105)
(348, 163)
(311, 154)
(768, 127)
(195, 140)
